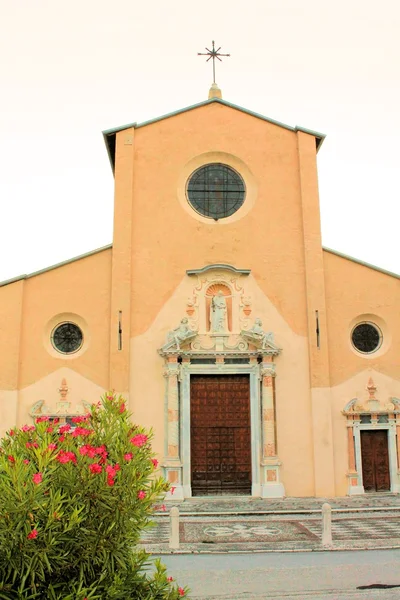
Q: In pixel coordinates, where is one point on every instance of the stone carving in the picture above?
(37, 408)
(190, 307)
(258, 336)
(371, 405)
(63, 390)
(218, 314)
(395, 402)
(180, 334)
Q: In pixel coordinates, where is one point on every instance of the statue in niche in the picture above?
(179, 334)
(258, 332)
(218, 314)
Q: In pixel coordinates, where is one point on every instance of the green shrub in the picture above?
(73, 503)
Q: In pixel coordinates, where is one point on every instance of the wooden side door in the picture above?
(375, 461)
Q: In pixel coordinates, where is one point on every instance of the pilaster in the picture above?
(321, 411)
(271, 487)
(172, 464)
(352, 474)
(121, 264)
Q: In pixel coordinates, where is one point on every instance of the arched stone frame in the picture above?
(212, 289)
(223, 275)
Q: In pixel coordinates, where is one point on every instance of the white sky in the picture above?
(71, 69)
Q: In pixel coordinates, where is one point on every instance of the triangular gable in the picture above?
(110, 134)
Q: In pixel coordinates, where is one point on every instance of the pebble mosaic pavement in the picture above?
(235, 524)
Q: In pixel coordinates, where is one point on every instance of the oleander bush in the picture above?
(73, 503)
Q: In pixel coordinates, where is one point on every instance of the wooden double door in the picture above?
(375, 461)
(220, 434)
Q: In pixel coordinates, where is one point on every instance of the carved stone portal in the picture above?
(365, 416)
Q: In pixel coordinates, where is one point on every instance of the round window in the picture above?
(366, 337)
(67, 338)
(216, 191)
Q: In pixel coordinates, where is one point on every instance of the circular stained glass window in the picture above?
(67, 338)
(216, 191)
(366, 337)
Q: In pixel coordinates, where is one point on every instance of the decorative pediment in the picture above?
(218, 266)
(371, 404)
(61, 407)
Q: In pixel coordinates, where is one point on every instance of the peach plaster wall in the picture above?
(294, 434)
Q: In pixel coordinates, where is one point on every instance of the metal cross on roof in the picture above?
(213, 54)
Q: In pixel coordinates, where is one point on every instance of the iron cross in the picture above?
(213, 54)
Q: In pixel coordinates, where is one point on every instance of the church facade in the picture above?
(266, 364)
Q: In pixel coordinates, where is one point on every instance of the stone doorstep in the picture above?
(251, 548)
(240, 505)
(238, 513)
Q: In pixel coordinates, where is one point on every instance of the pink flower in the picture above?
(101, 450)
(61, 438)
(172, 490)
(56, 421)
(111, 471)
(11, 432)
(122, 408)
(66, 457)
(95, 468)
(139, 440)
(64, 429)
(32, 445)
(50, 429)
(51, 446)
(170, 578)
(37, 478)
(26, 461)
(91, 451)
(181, 591)
(82, 419)
(27, 428)
(141, 495)
(83, 450)
(155, 462)
(41, 419)
(11, 459)
(110, 481)
(33, 534)
(81, 431)
(128, 456)
(163, 507)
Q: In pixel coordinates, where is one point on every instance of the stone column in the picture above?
(271, 487)
(398, 445)
(352, 456)
(172, 464)
(352, 469)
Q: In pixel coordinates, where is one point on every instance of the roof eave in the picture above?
(56, 266)
(361, 262)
